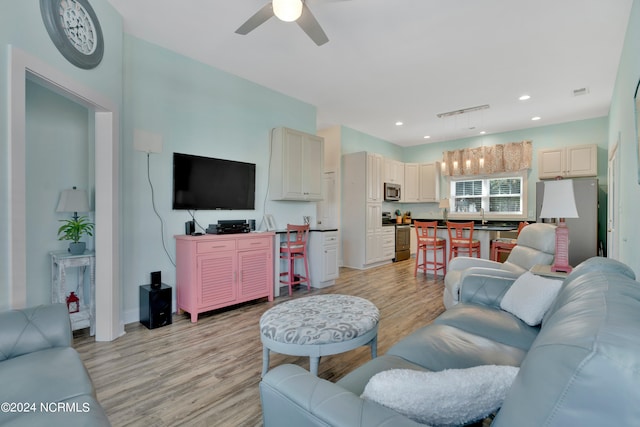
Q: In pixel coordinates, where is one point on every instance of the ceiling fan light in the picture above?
(287, 10)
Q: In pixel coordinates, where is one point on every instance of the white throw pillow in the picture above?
(530, 297)
(445, 398)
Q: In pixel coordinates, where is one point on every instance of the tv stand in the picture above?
(216, 271)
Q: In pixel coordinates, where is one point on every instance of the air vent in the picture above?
(581, 91)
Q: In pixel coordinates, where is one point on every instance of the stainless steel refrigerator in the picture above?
(583, 231)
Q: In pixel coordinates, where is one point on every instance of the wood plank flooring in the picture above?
(207, 373)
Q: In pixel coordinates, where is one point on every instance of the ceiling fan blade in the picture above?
(259, 18)
(310, 26)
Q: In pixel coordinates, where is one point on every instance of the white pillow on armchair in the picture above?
(530, 297)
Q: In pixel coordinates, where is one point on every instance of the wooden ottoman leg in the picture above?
(265, 360)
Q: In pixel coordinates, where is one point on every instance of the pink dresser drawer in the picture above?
(254, 243)
(215, 246)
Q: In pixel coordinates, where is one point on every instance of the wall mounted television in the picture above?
(205, 183)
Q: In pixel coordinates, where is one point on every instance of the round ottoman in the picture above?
(318, 326)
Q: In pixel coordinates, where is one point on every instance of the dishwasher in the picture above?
(403, 242)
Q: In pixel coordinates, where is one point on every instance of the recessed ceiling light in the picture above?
(399, 123)
(524, 97)
(426, 136)
(483, 132)
(536, 118)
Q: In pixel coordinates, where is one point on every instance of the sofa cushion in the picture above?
(449, 397)
(530, 297)
(438, 347)
(497, 325)
(52, 375)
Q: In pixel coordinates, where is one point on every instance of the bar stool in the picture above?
(429, 241)
(504, 247)
(459, 240)
(295, 247)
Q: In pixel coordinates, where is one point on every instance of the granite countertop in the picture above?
(312, 230)
(489, 226)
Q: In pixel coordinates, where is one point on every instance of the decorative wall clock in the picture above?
(75, 30)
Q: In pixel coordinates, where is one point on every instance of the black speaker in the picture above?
(189, 228)
(155, 306)
(156, 279)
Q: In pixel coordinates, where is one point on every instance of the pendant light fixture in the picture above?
(287, 10)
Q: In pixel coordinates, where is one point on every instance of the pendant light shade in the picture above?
(287, 10)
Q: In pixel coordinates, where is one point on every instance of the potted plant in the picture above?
(73, 230)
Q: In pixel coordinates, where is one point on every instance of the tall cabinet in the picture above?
(362, 241)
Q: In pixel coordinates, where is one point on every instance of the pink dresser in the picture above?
(215, 271)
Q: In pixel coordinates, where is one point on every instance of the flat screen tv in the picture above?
(205, 183)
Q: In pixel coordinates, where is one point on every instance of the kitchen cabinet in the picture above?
(374, 177)
(361, 230)
(411, 188)
(393, 171)
(215, 271)
(421, 182)
(388, 242)
(297, 165)
(323, 258)
(568, 162)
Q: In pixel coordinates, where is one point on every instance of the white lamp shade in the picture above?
(444, 203)
(287, 10)
(73, 201)
(559, 200)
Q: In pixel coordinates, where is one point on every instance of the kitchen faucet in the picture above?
(482, 213)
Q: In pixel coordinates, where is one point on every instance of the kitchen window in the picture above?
(499, 195)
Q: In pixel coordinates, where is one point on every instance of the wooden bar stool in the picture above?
(429, 241)
(504, 247)
(461, 239)
(295, 247)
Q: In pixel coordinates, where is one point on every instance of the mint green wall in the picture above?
(196, 109)
(21, 26)
(622, 128)
(57, 159)
(354, 141)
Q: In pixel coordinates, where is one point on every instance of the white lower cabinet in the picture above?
(323, 258)
(388, 243)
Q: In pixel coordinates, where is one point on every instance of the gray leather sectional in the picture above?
(581, 367)
(44, 382)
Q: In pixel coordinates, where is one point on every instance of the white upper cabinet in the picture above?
(421, 182)
(374, 177)
(393, 171)
(297, 165)
(568, 162)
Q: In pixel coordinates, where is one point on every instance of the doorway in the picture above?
(22, 67)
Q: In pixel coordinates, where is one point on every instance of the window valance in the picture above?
(510, 157)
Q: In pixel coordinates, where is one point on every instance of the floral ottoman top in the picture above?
(319, 319)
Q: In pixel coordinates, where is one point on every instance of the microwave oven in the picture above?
(391, 192)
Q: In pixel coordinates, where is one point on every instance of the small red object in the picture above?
(73, 303)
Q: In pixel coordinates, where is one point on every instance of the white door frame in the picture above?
(613, 210)
(108, 306)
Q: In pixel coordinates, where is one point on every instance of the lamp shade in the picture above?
(287, 10)
(559, 200)
(444, 203)
(73, 201)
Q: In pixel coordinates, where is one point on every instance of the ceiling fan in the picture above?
(288, 11)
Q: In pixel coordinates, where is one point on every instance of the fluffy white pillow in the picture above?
(530, 297)
(444, 398)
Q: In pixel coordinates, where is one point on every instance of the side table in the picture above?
(60, 262)
(545, 270)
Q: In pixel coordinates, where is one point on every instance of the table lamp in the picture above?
(444, 204)
(559, 202)
(73, 201)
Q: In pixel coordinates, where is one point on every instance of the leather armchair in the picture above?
(535, 245)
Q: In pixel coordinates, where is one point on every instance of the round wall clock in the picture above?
(74, 29)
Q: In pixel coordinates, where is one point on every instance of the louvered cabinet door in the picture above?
(216, 279)
(253, 280)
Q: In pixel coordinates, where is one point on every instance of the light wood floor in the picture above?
(207, 374)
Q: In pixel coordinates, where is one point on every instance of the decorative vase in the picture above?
(77, 248)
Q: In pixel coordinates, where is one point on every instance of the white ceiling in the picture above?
(408, 60)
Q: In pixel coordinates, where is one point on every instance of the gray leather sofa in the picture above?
(44, 382)
(581, 367)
